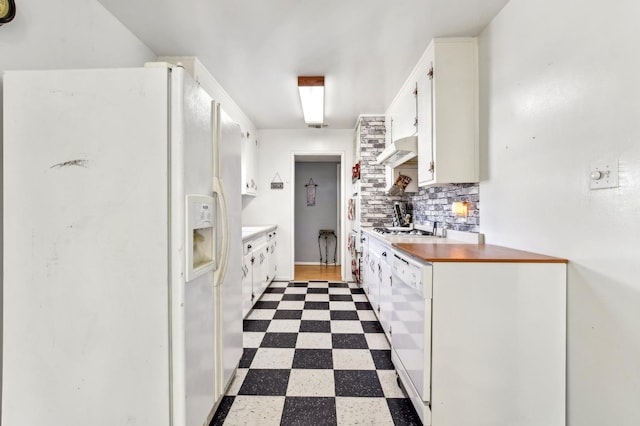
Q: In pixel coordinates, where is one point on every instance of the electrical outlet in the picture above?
(604, 174)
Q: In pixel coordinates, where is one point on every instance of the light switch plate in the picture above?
(608, 172)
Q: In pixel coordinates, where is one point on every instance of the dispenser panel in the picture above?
(201, 235)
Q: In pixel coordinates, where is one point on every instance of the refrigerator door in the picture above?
(229, 274)
(192, 172)
(86, 324)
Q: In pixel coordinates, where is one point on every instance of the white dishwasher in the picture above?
(411, 294)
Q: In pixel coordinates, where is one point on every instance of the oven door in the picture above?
(411, 323)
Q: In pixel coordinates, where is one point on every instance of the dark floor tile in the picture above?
(360, 383)
(344, 315)
(357, 291)
(288, 314)
(313, 358)
(272, 382)
(317, 281)
(293, 297)
(348, 341)
(255, 325)
(266, 305)
(372, 327)
(222, 411)
(363, 306)
(247, 357)
(316, 305)
(402, 412)
(311, 326)
(382, 359)
(275, 290)
(304, 411)
(297, 284)
(279, 340)
(317, 291)
(339, 285)
(340, 298)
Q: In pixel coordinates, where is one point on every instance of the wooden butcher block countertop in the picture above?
(473, 253)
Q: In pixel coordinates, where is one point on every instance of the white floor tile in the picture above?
(317, 298)
(279, 284)
(352, 359)
(271, 297)
(367, 315)
(252, 339)
(234, 387)
(273, 358)
(284, 326)
(346, 327)
(296, 290)
(389, 383)
(362, 411)
(360, 298)
(377, 341)
(342, 306)
(316, 314)
(319, 284)
(311, 382)
(291, 304)
(314, 341)
(255, 410)
(261, 314)
(339, 290)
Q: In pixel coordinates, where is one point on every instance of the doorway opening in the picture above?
(317, 216)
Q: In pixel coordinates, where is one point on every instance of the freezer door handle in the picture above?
(221, 265)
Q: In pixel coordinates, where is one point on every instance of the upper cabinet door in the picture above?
(425, 120)
(405, 113)
(249, 165)
(448, 113)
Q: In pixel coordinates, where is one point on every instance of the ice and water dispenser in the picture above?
(201, 235)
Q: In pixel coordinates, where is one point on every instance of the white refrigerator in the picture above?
(122, 248)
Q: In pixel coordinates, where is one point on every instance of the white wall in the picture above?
(560, 89)
(274, 206)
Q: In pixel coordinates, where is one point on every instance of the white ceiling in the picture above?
(257, 48)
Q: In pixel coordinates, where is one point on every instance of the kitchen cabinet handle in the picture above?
(249, 247)
(384, 254)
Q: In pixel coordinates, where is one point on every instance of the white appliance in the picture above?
(122, 254)
(411, 329)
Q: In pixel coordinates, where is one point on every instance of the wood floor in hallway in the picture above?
(317, 272)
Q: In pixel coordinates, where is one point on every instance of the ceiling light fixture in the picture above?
(312, 99)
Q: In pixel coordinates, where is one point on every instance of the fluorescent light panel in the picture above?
(312, 99)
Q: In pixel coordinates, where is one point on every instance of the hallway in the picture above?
(314, 354)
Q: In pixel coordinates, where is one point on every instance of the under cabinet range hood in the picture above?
(399, 152)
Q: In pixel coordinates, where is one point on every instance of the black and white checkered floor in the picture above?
(315, 354)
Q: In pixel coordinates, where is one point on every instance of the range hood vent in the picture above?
(399, 152)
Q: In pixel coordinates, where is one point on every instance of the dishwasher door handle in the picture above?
(398, 257)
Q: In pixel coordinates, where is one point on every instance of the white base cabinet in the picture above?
(259, 266)
(498, 344)
(377, 280)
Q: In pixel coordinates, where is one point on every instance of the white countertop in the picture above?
(249, 232)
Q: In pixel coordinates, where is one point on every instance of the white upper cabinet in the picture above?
(447, 78)
(402, 115)
(249, 164)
